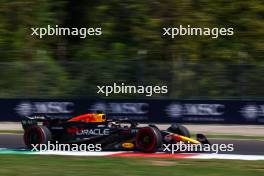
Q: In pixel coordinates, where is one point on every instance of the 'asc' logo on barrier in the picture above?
(252, 112)
(177, 110)
(121, 108)
(29, 108)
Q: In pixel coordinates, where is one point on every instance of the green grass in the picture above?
(20, 165)
(231, 136)
(223, 136)
(12, 131)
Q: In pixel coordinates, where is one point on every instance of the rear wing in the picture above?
(32, 120)
(28, 121)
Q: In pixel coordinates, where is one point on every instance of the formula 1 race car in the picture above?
(94, 128)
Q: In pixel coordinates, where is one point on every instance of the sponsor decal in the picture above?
(128, 145)
(174, 110)
(24, 109)
(29, 108)
(252, 111)
(177, 110)
(96, 131)
(120, 108)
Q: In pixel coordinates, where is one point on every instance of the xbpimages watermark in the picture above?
(132, 89)
(40, 32)
(56, 146)
(188, 147)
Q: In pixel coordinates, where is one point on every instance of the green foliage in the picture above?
(132, 48)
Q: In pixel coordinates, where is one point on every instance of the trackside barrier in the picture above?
(141, 110)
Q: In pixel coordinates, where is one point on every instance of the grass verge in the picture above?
(235, 137)
(230, 136)
(11, 131)
(21, 165)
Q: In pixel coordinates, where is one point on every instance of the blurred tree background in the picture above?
(132, 49)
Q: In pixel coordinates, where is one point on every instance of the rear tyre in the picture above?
(36, 135)
(148, 139)
(179, 129)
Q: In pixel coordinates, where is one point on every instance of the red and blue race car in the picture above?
(95, 128)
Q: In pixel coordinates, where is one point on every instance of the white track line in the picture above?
(228, 156)
(198, 156)
(75, 153)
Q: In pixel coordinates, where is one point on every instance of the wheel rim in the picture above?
(146, 140)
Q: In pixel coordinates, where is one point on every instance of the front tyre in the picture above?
(179, 129)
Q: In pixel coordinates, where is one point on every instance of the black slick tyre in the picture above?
(36, 135)
(179, 129)
(148, 139)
